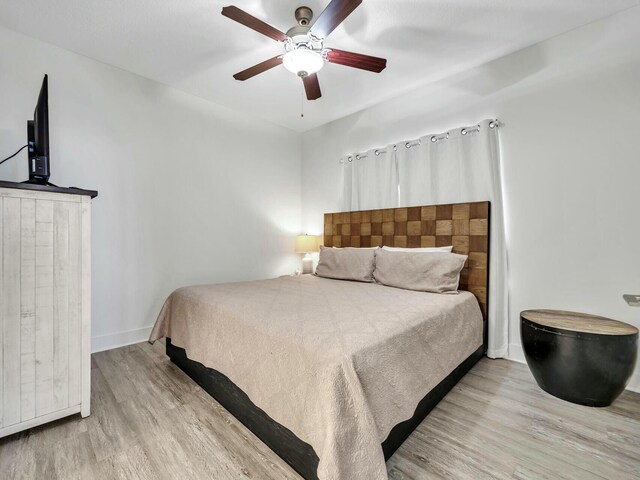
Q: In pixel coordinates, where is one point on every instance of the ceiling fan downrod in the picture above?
(303, 16)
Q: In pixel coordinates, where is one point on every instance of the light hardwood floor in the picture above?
(150, 421)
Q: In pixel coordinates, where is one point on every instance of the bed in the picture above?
(334, 375)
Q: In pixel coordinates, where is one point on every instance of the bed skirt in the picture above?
(298, 454)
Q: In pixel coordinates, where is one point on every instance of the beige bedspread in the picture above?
(339, 363)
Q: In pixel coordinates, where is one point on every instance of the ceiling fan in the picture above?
(305, 52)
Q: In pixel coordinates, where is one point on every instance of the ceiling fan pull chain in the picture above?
(302, 104)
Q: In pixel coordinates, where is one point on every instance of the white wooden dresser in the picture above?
(45, 304)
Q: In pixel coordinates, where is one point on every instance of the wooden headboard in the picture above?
(463, 225)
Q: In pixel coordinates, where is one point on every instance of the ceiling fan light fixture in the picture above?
(303, 61)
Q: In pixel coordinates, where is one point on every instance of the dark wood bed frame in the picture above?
(465, 226)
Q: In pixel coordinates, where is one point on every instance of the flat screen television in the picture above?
(38, 138)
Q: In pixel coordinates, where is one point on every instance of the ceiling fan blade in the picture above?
(240, 16)
(311, 86)
(259, 68)
(332, 16)
(356, 60)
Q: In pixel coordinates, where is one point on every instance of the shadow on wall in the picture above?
(512, 69)
(416, 33)
(16, 169)
(500, 74)
(416, 39)
(463, 91)
(213, 62)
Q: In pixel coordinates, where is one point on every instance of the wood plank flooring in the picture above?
(150, 421)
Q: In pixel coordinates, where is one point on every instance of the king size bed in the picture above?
(333, 375)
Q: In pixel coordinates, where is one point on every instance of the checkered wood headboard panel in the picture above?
(463, 225)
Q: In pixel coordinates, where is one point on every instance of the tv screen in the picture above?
(41, 121)
(38, 137)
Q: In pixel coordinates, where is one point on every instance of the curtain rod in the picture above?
(495, 123)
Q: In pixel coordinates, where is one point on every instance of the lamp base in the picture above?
(307, 264)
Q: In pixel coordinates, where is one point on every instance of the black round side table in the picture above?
(580, 358)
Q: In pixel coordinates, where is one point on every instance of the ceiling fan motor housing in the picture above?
(299, 34)
(300, 37)
(303, 16)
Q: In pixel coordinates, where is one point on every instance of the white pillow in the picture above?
(419, 250)
(347, 263)
(437, 272)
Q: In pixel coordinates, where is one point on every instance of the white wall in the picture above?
(571, 108)
(189, 192)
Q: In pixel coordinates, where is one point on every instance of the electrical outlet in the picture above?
(632, 300)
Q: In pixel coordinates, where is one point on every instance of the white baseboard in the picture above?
(129, 337)
(120, 339)
(516, 354)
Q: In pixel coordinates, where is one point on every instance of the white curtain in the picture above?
(462, 165)
(370, 180)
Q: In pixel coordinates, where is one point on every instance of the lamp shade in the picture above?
(307, 243)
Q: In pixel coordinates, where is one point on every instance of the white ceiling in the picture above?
(187, 44)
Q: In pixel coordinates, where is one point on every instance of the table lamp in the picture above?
(307, 244)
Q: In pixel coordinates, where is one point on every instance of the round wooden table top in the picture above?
(578, 322)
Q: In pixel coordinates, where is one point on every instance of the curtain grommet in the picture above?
(408, 145)
(357, 157)
(434, 139)
(463, 131)
(377, 152)
(350, 159)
